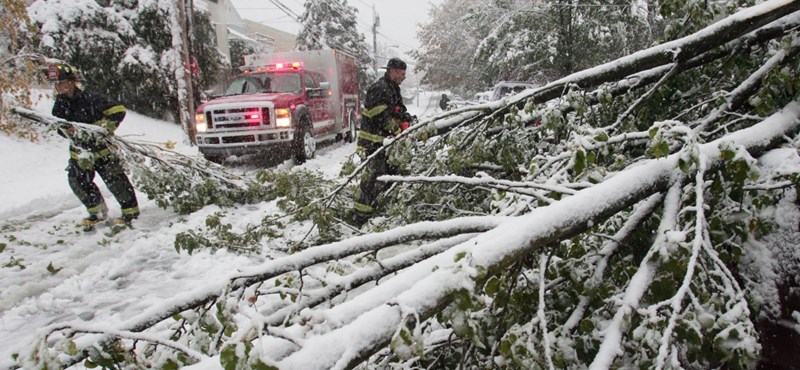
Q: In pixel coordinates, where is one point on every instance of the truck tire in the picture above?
(218, 159)
(304, 145)
(215, 159)
(352, 134)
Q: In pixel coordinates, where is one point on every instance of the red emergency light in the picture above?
(285, 66)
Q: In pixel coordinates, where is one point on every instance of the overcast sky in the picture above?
(398, 18)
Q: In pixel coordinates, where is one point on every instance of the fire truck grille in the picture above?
(237, 117)
(239, 139)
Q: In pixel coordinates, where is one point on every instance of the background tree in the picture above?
(332, 24)
(448, 43)
(521, 40)
(239, 48)
(123, 49)
(18, 65)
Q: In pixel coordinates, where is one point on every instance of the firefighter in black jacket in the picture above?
(384, 115)
(90, 153)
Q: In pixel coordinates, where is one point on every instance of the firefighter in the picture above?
(443, 102)
(92, 153)
(384, 115)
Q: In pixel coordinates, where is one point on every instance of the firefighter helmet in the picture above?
(396, 63)
(61, 72)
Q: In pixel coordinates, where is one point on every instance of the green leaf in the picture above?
(89, 364)
(586, 326)
(170, 365)
(683, 165)
(580, 161)
(505, 347)
(728, 154)
(228, 358)
(52, 268)
(258, 365)
(492, 286)
(653, 131)
(2, 247)
(602, 137)
(660, 149)
(72, 348)
(459, 256)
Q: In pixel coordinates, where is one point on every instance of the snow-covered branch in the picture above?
(344, 346)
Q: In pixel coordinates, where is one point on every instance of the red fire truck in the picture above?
(282, 102)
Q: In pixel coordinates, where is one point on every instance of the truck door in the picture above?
(319, 103)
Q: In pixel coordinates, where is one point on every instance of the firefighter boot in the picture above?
(128, 215)
(97, 214)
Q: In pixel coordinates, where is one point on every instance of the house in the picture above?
(229, 25)
(269, 36)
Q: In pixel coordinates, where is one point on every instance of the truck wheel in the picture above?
(353, 133)
(305, 147)
(218, 159)
(215, 159)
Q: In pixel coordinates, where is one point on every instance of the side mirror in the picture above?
(207, 95)
(321, 91)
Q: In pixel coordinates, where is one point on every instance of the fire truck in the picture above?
(282, 103)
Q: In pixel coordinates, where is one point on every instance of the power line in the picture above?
(258, 8)
(313, 33)
(286, 10)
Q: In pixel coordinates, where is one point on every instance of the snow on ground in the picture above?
(52, 272)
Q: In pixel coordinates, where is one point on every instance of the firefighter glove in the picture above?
(85, 161)
(361, 152)
(107, 124)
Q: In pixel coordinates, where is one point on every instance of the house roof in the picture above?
(236, 34)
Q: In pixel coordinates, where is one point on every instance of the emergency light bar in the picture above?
(293, 66)
(285, 66)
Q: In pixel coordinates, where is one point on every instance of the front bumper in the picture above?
(229, 143)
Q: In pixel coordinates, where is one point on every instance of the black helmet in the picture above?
(61, 72)
(396, 63)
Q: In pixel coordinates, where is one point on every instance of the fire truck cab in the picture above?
(282, 102)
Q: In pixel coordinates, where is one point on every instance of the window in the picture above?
(311, 81)
(245, 85)
(286, 82)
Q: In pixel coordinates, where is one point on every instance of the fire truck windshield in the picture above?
(270, 82)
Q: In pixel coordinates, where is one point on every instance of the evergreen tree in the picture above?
(239, 49)
(332, 24)
(123, 48)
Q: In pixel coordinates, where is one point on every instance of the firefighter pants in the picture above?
(110, 170)
(370, 187)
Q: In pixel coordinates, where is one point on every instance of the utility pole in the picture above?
(376, 21)
(186, 103)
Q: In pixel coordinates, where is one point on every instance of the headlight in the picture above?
(200, 122)
(283, 118)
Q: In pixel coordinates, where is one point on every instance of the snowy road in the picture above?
(52, 272)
